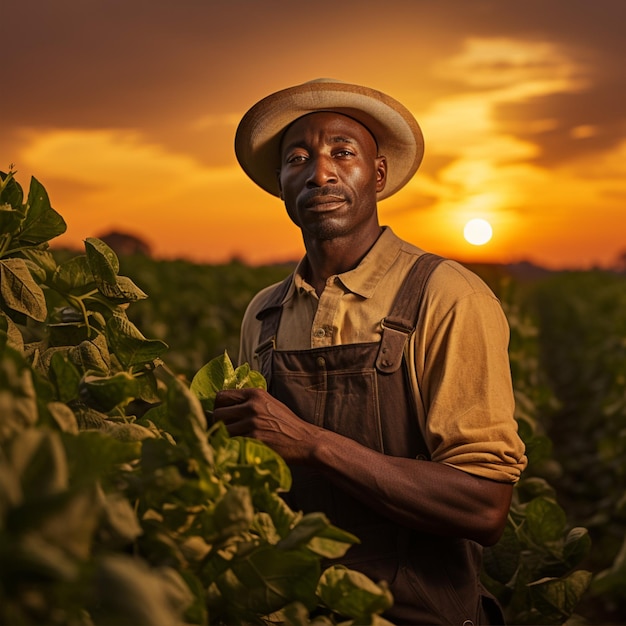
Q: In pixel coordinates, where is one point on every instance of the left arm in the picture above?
(423, 495)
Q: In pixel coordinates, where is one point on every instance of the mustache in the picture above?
(310, 195)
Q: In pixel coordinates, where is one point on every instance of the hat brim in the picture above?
(399, 137)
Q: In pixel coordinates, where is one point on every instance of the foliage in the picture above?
(118, 502)
(583, 333)
(196, 309)
(532, 569)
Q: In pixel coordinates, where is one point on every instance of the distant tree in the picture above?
(125, 244)
(620, 262)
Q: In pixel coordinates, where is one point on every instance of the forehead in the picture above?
(327, 124)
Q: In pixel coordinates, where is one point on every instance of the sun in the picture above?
(477, 232)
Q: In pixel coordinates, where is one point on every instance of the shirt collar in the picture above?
(364, 278)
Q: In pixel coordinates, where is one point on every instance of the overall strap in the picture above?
(402, 319)
(269, 316)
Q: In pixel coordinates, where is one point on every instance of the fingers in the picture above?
(232, 397)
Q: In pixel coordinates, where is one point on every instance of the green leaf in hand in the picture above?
(219, 374)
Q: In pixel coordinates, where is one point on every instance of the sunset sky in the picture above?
(126, 111)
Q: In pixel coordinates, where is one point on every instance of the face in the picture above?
(330, 176)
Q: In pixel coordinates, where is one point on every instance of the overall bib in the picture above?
(362, 391)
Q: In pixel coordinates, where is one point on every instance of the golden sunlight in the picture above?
(477, 232)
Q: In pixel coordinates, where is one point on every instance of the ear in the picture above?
(381, 173)
(280, 187)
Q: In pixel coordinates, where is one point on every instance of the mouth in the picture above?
(324, 203)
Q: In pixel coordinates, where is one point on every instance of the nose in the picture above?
(322, 172)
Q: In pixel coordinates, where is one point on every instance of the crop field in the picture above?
(568, 357)
(121, 504)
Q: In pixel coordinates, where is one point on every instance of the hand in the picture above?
(255, 413)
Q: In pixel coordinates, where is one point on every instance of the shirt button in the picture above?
(319, 332)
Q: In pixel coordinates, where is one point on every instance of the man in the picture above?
(389, 382)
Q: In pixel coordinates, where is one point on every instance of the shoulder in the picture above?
(457, 281)
(450, 279)
(457, 296)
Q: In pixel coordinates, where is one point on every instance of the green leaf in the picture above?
(185, 419)
(91, 355)
(219, 374)
(107, 392)
(534, 487)
(545, 521)
(267, 579)
(63, 417)
(248, 378)
(129, 345)
(19, 409)
(71, 526)
(556, 598)
(105, 266)
(307, 527)
(283, 518)
(11, 191)
(265, 461)
(128, 592)
(73, 276)
(91, 455)
(233, 513)
(10, 219)
(316, 532)
(126, 289)
(64, 375)
(39, 459)
(502, 560)
(103, 262)
(43, 258)
(19, 290)
(353, 594)
(127, 431)
(332, 542)
(42, 222)
(122, 525)
(13, 337)
(577, 546)
(216, 375)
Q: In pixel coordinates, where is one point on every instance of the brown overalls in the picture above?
(362, 391)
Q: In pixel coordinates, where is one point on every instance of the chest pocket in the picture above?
(335, 388)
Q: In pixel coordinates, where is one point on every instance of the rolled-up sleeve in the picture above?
(466, 404)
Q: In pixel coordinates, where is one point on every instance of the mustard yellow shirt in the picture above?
(458, 356)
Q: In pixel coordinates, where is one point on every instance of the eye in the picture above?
(296, 158)
(344, 152)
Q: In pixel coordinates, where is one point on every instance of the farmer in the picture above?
(389, 381)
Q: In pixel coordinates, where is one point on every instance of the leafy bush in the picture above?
(532, 570)
(196, 309)
(118, 504)
(584, 351)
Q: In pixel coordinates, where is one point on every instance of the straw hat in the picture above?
(399, 138)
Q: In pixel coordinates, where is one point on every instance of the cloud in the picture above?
(117, 162)
(522, 67)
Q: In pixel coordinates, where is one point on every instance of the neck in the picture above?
(330, 257)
